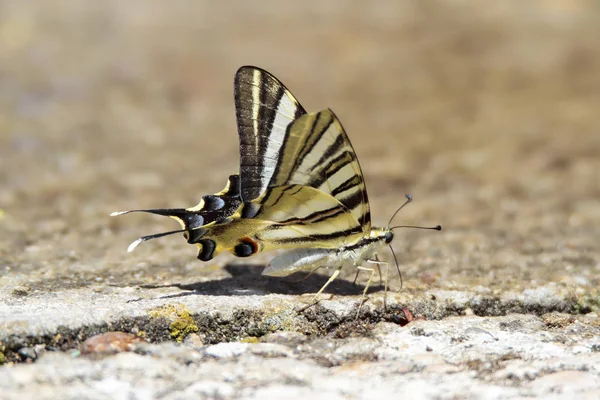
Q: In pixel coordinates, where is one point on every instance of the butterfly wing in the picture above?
(316, 197)
(293, 216)
(280, 147)
(317, 152)
(264, 109)
(303, 216)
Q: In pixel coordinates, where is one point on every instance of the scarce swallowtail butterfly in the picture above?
(300, 188)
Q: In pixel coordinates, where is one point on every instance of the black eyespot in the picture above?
(194, 235)
(245, 248)
(193, 221)
(389, 236)
(207, 251)
(212, 203)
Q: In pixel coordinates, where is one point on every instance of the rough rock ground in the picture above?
(487, 114)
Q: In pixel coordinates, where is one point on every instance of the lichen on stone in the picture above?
(181, 322)
(587, 302)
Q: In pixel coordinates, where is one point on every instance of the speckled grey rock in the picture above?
(465, 357)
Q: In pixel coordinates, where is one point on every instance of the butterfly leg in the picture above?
(376, 261)
(385, 287)
(356, 277)
(378, 269)
(364, 295)
(316, 296)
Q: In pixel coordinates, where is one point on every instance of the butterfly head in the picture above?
(389, 236)
(379, 237)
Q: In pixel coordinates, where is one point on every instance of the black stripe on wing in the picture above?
(318, 239)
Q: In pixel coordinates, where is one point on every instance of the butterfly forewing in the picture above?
(264, 109)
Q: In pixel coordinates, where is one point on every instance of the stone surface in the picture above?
(486, 113)
(466, 357)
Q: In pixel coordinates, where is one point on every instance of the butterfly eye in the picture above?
(389, 236)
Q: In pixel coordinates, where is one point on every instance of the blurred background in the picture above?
(487, 112)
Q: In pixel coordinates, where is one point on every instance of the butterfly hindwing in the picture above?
(214, 209)
(303, 216)
(294, 216)
(211, 209)
(264, 109)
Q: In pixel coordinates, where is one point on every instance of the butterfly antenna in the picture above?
(409, 198)
(397, 267)
(136, 242)
(434, 228)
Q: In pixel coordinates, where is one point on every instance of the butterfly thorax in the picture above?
(368, 246)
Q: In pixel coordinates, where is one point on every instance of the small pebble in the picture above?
(21, 290)
(110, 343)
(32, 353)
(227, 350)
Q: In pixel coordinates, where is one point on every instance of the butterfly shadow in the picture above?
(246, 280)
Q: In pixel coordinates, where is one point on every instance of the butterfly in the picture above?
(300, 188)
